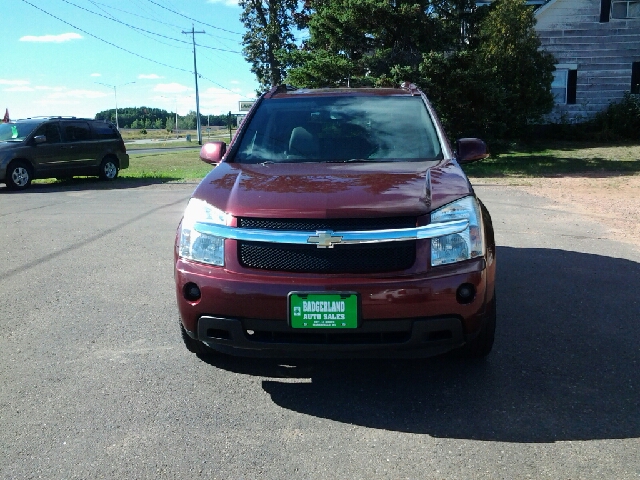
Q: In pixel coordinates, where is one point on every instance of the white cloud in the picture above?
(20, 88)
(63, 37)
(228, 3)
(14, 82)
(171, 88)
(96, 74)
(234, 82)
(55, 89)
(151, 76)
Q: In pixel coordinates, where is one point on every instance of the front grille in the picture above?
(313, 224)
(355, 259)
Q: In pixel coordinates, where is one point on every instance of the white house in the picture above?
(597, 46)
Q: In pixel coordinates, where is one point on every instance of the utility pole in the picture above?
(195, 71)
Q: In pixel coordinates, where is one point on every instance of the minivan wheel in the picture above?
(18, 175)
(108, 169)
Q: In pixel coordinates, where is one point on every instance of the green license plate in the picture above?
(323, 310)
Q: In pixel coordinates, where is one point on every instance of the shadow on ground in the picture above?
(81, 184)
(565, 366)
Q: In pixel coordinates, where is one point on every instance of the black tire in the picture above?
(482, 344)
(19, 175)
(195, 346)
(109, 168)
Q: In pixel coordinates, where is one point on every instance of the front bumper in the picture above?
(419, 315)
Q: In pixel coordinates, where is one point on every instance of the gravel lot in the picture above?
(610, 199)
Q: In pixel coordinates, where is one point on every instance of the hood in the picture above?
(332, 190)
(6, 144)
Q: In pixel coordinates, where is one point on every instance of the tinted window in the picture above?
(339, 129)
(76, 131)
(103, 130)
(50, 131)
(16, 132)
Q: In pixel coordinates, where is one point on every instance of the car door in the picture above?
(49, 155)
(78, 145)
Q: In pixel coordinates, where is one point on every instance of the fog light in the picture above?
(192, 292)
(465, 293)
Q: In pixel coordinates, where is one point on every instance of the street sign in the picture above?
(246, 106)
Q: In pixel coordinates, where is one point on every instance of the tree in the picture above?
(510, 47)
(268, 24)
(362, 42)
(481, 66)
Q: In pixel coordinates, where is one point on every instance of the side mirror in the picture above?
(470, 150)
(213, 152)
(38, 139)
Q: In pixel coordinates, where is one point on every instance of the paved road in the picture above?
(95, 382)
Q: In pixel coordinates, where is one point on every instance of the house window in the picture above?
(625, 9)
(635, 77)
(564, 85)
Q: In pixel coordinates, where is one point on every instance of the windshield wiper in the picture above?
(348, 160)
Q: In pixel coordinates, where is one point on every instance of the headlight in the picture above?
(197, 246)
(459, 246)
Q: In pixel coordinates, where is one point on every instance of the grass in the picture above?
(181, 165)
(558, 159)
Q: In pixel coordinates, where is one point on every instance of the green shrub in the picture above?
(621, 120)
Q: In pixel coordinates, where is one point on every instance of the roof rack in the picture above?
(413, 89)
(280, 89)
(47, 116)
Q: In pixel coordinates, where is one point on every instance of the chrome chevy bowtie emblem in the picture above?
(324, 239)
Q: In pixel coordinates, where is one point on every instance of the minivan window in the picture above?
(76, 131)
(103, 130)
(50, 131)
(327, 129)
(16, 132)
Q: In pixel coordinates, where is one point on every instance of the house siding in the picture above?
(603, 52)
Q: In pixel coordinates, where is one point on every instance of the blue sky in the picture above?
(56, 66)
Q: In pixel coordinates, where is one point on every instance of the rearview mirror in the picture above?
(213, 152)
(471, 150)
(38, 139)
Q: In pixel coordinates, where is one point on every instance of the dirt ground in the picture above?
(612, 200)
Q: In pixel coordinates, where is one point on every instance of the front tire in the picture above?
(19, 175)
(108, 169)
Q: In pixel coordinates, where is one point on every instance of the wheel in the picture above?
(481, 345)
(18, 175)
(108, 168)
(195, 346)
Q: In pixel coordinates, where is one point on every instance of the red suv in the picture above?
(338, 223)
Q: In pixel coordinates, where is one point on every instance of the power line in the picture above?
(193, 19)
(106, 41)
(178, 27)
(129, 51)
(113, 19)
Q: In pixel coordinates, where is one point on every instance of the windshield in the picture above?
(16, 132)
(340, 129)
